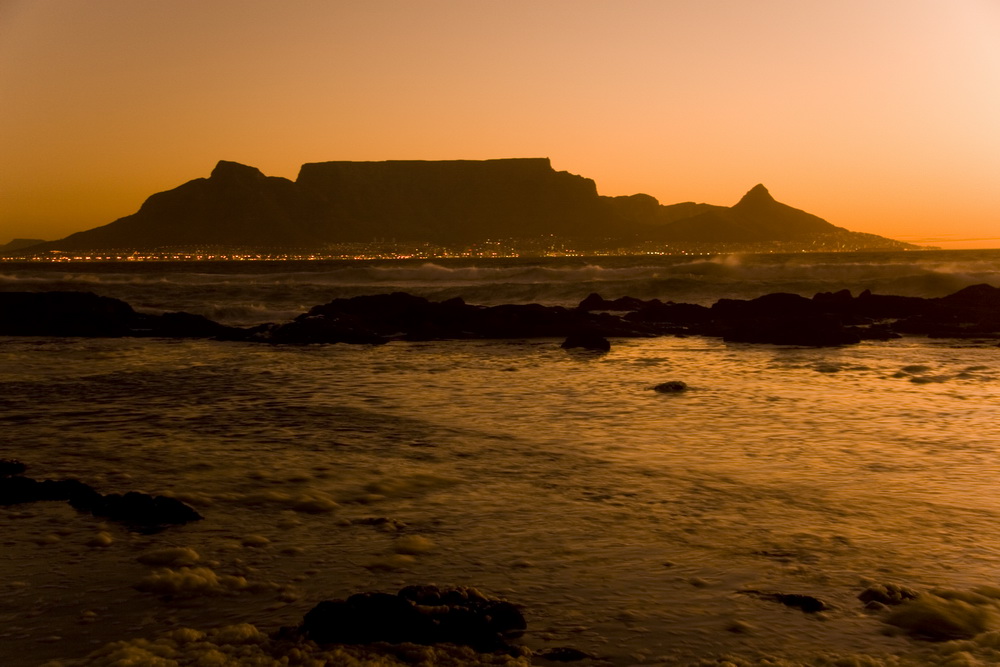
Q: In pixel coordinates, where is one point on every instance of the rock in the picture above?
(671, 387)
(888, 594)
(594, 301)
(63, 314)
(834, 302)
(373, 319)
(586, 341)
(88, 315)
(671, 313)
(822, 330)
(564, 654)
(934, 618)
(319, 329)
(806, 603)
(15, 490)
(140, 509)
(778, 304)
(10, 467)
(187, 325)
(137, 509)
(418, 614)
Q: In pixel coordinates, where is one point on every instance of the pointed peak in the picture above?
(758, 194)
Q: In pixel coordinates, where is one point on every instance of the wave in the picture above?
(238, 293)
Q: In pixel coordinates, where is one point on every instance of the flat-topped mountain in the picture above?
(444, 202)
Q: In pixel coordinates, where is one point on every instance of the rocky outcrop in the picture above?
(671, 387)
(827, 319)
(417, 614)
(135, 509)
(373, 319)
(89, 315)
(805, 603)
(586, 341)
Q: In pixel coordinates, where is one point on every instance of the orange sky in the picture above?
(878, 115)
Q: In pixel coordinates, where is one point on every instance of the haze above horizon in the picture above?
(877, 115)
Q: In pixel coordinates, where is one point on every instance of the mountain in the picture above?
(18, 244)
(757, 217)
(446, 202)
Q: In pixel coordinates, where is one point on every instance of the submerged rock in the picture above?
(136, 509)
(417, 614)
(934, 618)
(806, 603)
(564, 654)
(671, 387)
(586, 341)
(888, 594)
(140, 509)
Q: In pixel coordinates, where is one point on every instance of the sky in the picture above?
(880, 116)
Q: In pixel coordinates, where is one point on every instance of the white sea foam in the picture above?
(625, 524)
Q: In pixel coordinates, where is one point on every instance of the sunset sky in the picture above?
(881, 116)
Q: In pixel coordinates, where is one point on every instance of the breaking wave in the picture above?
(242, 293)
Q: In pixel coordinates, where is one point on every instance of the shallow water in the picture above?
(624, 521)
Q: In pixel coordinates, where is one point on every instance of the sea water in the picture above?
(627, 523)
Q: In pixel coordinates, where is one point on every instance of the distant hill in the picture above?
(18, 244)
(756, 217)
(444, 202)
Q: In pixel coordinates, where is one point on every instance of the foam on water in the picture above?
(626, 521)
(251, 293)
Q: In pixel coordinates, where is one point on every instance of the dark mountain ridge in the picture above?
(445, 202)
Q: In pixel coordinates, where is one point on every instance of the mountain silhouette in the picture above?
(755, 218)
(443, 202)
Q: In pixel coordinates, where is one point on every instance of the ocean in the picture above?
(638, 527)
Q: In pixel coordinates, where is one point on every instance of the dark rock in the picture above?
(418, 614)
(821, 330)
(14, 490)
(372, 319)
(834, 302)
(937, 619)
(10, 467)
(884, 306)
(141, 509)
(187, 325)
(586, 341)
(137, 509)
(86, 314)
(63, 314)
(776, 305)
(980, 297)
(671, 387)
(594, 301)
(672, 313)
(806, 603)
(564, 654)
(320, 329)
(888, 594)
